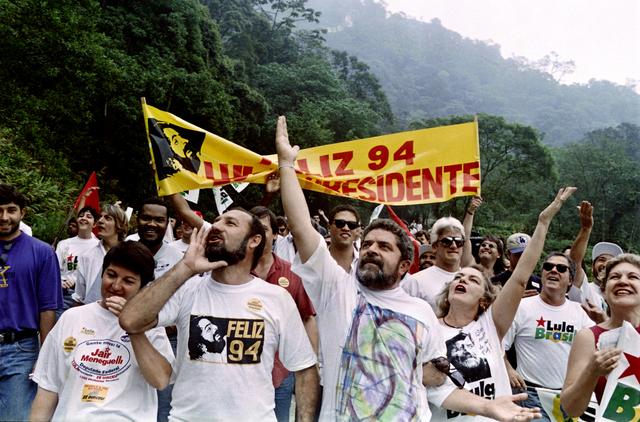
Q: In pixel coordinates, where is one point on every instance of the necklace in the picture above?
(444, 319)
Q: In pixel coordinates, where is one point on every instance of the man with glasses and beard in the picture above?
(374, 337)
(260, 319)
(30, 293)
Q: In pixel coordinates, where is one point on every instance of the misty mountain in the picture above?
(429, 71)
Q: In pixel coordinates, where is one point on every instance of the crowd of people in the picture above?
(237, 318)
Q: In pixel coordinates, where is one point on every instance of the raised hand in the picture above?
(557, 203)
(286, 153)
(194, 257)
(586, 214)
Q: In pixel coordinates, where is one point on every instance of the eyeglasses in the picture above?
(548, 266)
(5, 253)
(341, 223)
(488, 245)
(449, 240)
(442, 364)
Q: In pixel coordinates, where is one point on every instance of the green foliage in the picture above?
(45, 194)
(606, 170)
(428, 70)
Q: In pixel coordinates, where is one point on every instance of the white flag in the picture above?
(376, 212)
(223, 200)
(239, 186)
(192, 195)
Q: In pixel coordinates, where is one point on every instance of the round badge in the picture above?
(284, 282)
(69, 344)
(254, 304)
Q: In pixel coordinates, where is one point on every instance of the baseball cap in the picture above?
(605, 248)
(517, 242)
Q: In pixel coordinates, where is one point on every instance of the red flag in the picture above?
(415, 266)
(93, 200)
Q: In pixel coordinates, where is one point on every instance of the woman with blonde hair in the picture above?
(475, 317)
(589, 361)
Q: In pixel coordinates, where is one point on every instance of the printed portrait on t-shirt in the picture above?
(225, 340)
(467, 357)
(206, 339)
(175, 148)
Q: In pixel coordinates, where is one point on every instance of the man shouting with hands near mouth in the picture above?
(375, 338)
(249, 319)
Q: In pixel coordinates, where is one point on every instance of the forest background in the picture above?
(73, 73)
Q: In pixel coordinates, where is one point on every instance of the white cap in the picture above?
(605, 248)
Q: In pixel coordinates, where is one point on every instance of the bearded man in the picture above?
(254, 318)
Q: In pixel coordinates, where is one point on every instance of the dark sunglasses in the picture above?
(450, 240)
(442, 364)
(548, 266)
(341, 223)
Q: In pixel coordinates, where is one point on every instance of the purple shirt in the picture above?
(29, 283)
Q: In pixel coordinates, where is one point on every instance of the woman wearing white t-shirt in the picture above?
(475, 318)
(89, 368)
(592, 360)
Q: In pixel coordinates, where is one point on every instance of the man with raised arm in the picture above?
(375, 339)
(230, 325)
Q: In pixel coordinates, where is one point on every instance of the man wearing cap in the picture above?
(516, 243)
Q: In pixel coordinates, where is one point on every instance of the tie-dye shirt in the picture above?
(373, 343)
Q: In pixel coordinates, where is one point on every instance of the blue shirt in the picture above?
(29, 283)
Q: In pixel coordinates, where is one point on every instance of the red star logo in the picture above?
(541, 322)
(634, 366)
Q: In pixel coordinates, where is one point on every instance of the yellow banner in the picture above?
(416, 167)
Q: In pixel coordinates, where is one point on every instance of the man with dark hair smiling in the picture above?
(376, 340)
(30, 293)
(260, 318)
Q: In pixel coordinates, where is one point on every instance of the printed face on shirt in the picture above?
(106, 226)
(229, 237)
(119, 281)
(10, 217)
(380, 264)
(343, 236)
(623, 286)
(553, 281)
(468, 287)
(86, 221)
(448, 256)
(152, 223)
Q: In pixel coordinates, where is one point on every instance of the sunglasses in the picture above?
(450, 240)
(548, 266)
(442, 364)
(341, 223)
(488, 245)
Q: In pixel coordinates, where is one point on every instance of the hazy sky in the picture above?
(602, 37)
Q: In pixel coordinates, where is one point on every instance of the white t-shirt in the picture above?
(476, 352)
(180, 245)
(283, 247)
(427, 284)
(588, 291)
(68, 251)
(227, 339)
(543, 335)
(88, 360)
(166, 257)
(373, 344)
(89, 272)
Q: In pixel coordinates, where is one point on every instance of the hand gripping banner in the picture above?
(415, 167)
